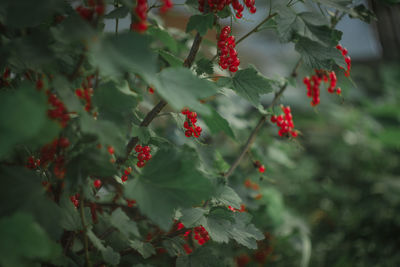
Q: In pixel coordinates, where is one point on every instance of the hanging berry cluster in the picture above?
(200, 235)
(95, 7)
(141, 12)
(53, 152)
(313, 85)
(127, 171)
(228, 55)
(75, 200)
(130, 202)
(261, 168)
(32, 163)
(167, 4)
(285, 122)
(143, 155)
(86, 92)
(190, 123)
(346, 58)
(59, 112)
(242, 208)
(218, 5)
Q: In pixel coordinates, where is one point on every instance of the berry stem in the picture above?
(162, 103)
(255, 29)
(260, 123)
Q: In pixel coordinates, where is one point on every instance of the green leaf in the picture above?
(145, 249)
(200, 23)
(118, 13)
(39, 12)
(109, 133)
(224, 13)
(362, 13)
(127, 52)
(23, 242)
(123, 223)
(172, 60)
(219, 163)
(191, 217)
(164, 37)
(23, 119)
(341, 5)
(204, 66)
(218, 124)
(97, 242)
(169, 181)
(181, 88)
(142, 133)
(114, 101)
(227, 196)
(110, 256)
(250, 84)
(318, 56)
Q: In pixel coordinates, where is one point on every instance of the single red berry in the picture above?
(151, 90)
(63, 142)
(141, 156)
(97, 183)
(140, 164)
(338, 91)
(124, 178)
(261, 169)
(39, 84)
(188, 133)
(294, 133)
(138, 148)
(146, 149)
(110, 150)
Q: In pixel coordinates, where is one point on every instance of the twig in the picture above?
(160, 105)
(77, 67)
(255, 29)
(85, 238)
(260, 123)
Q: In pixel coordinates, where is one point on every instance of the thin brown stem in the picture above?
(75, 73)
(162, 103)
(255, 29)
(259, 125)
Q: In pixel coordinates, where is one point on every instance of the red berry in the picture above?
(146, 149)
(124, 178)
(63, 142)
(151, 90)
(338, 91)
(110, 150)
(141, 156)
(140, 164)
(261, 169)
(138, 148)
(188, 133)
(97, 183)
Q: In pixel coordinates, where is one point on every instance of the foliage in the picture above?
(93, 173)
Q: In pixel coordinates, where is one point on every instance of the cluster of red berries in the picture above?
(167, 4)
(59, 112)
(53, 152)
(190, 123)
(200, 234)
(249, 184)
(261, 168)
(95, 7)
(75, 199)
(32, 163)
(346, 58)
(143, 155)
(218, 5)
(228, 55)
(39, 84)
(285, 122)
(130, 202)
(313, 85)
(242, 208)
(86, 92)
(127, 171)
(141, 12)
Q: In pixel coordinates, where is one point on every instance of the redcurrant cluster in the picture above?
(200, 234)
(143, 155)
(75, 200)
(86, 92)
(218, 5)
(87, 13)
(190, 123)
(313, 85)
(261, 168)
(346, 58)
(285, 122)
(127, 171)
(167, 4)
(141, 12)
(32, 163)
(130, 202)
(59, 112)
(53, 152)
(228, 55)
(242, 208)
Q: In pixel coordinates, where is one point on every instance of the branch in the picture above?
(255, 29)
(260, 123)
(77, 67)
(160, 105)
